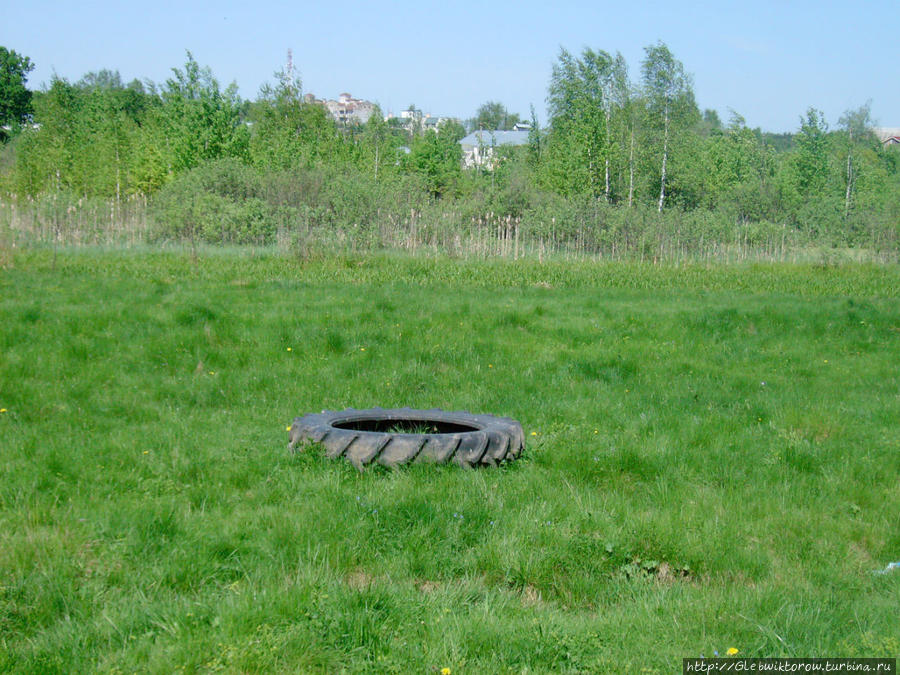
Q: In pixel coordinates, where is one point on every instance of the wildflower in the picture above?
(490, 365)
(445, 671)
(212, 372)
(2, 410)
(534, 433)
(287, 428)
(289, 349)
(362, 349)
(732, 651)
(146, 452)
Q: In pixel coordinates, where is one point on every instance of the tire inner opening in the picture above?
(401, 426)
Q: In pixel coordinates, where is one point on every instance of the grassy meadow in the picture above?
(712, 462)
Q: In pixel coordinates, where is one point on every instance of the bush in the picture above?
(218, 202)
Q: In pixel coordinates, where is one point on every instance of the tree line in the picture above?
(610, 144)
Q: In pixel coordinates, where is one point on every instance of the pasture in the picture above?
(712, 461)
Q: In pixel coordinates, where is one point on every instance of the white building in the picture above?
(346, 109)
(479, 146)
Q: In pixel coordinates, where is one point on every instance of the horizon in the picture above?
(450, 60)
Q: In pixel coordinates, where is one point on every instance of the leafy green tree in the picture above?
(579, 99)
(452, 129)
(133, 98)
(202, 122)
(856, 127)
(535, 141)
(150, 164)
(619, 108)
(47, 156)
(289, 131)
(737, 166)
(87, 137)
(493, 116)
(437, 160)
(811, 157)
(15, 98)
(710, 123)
(670, 102)
(376, 137)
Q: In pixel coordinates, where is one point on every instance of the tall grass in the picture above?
(712, 459)
(314, 212)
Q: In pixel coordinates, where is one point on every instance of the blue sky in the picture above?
(769, 61)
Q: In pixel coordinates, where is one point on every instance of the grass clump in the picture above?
(711, 462)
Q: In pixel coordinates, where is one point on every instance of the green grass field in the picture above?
(712, 462)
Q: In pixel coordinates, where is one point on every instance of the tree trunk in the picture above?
(606, 186)
(849, 193)
(662, 180)
(631, 170)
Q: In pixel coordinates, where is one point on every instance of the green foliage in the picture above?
(220, 201)
(670, 112)
(108, 119)
(579, 100)
(291, 133)
(492, 116)
(436, 159)
(201, 122)
(632, 147)
(15, 99)
(811, 159)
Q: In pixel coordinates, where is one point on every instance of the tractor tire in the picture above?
(403, 435)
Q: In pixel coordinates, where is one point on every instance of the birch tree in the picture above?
(579, 112)
(856, 125)
(669, 94)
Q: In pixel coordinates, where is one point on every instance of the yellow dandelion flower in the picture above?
(362, 349)
(445, 671)
(2, 410)
(732, 651)
(534, 433)
(490, 365)
(146, 452)
(287, 428)
(289, 349)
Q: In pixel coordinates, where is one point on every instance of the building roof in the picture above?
(488, 139)
(886, 133)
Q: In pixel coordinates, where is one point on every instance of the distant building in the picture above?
(887, 135)
(414, 120)
(478, 147)
(346, 109)
(411, 114)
